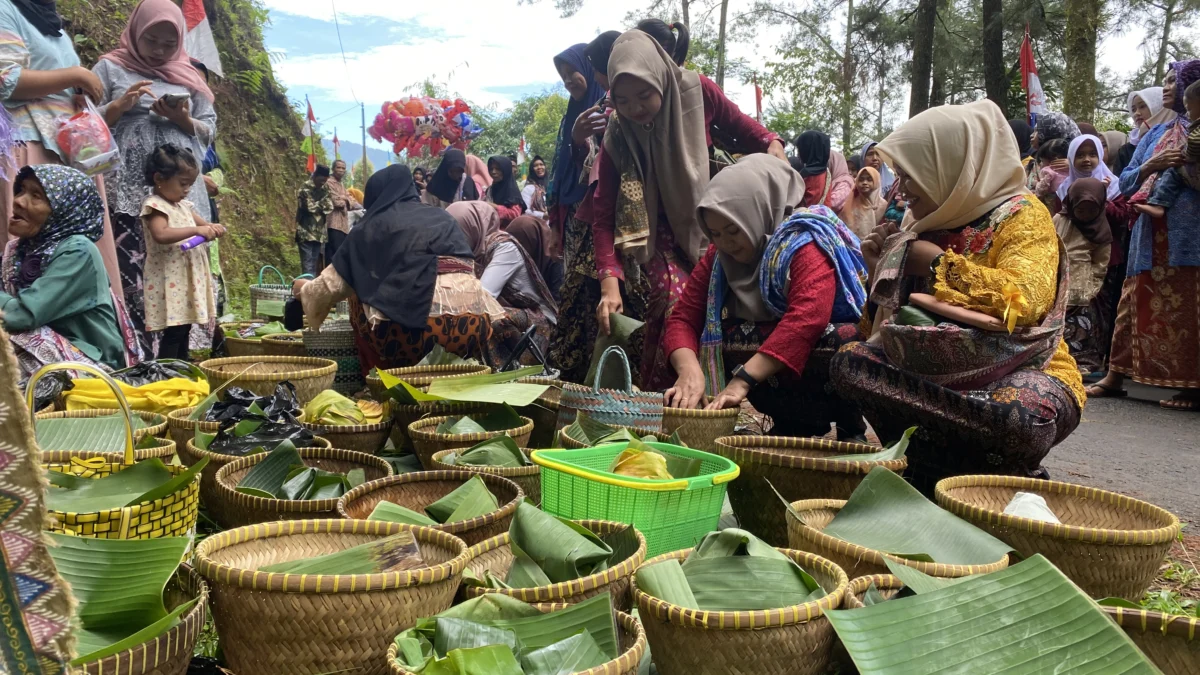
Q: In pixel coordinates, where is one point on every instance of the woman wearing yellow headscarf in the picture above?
(966, 310)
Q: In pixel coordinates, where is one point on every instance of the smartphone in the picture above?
(174, 100)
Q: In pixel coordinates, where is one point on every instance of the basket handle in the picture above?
(30, 388)
(264, 268)
(620, 353)
(304, 276)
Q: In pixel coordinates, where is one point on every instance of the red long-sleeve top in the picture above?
(719, 112)
(810, 306)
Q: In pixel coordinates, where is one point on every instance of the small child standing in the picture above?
(1052, 172)
(178, 284)
(1171, 182)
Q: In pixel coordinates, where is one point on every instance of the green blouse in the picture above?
(72, 297)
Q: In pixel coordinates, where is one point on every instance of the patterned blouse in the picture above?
(23, 46)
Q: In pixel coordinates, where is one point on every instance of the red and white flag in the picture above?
(199, 42)
(337, 146)
(757, 98)
(521, 151)
(309, 121)
(1035, 100)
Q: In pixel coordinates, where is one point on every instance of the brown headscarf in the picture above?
(481, 225)
(534, 236)
(479, 222)
(1089, 191)
(756, 194)
(861, 211)
(671, 156)
(1113, 140)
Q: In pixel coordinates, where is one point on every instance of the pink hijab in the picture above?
(478, 170)
(178, 69)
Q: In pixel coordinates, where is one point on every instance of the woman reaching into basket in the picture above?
(410, 276)
(763, 309)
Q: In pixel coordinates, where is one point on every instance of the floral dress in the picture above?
(177, 283)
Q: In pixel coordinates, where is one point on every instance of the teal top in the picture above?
(72, 297)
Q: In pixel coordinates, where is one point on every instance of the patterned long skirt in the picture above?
(508, 331)
(390, 345)
(131, 258)
(1006, 428)
(667, 275)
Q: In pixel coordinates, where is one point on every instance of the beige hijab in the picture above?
(964, 157)
(672, 154)
(479, 222)
(861, 211)
(756, 194)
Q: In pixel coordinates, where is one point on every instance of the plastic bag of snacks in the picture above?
(86, 142)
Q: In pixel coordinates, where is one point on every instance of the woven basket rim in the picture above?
(229, 494)
(327, 583)
(283, 337)
(745, 447)
(564, 589)
(1094, 535)
(492, 479)
(416, 431)
(146, 415)
(584, 389)
(306, 367)
(217, 460)
(860, 585)
(745, 620)
(564, 438)
(700, 414)
(506, 471)
(862, 553)
(158, 450)
(1148, 621)
(461, 369)
(113, 467)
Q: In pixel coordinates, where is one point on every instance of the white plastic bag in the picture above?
(86, 142)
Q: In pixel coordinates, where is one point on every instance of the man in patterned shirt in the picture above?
(315, 205)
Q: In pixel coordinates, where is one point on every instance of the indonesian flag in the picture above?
(199, 42)
(308, 131)
(1035, 100)
(758, 99)
(521, 151)
(337, 146)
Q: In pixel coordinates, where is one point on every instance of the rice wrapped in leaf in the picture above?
(330, 407)
(396, 553)
(501, 451)
(469, 500)
(638, 460)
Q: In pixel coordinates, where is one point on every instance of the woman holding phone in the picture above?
(153, 96)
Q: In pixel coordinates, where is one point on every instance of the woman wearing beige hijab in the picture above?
(967, 308)
(865, 207)
(760, 316)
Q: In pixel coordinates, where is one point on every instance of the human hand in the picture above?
(731, 397)
(133, 94)
(1060, 166)
(775, 149)
(872, 246)
(297, 285)
(688, 390)
(589, 123)
(218, 230)
(89, 83)
(210, 186)
(610, 302)
(1165, 160)
(179, 114)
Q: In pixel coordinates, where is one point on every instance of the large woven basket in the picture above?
(1108, 544)
(171, 652)
(242, 509)
(368, 438)
(284, 344)
(271, 295)
(310, 376)
(798, 468)
(700, 429)
(335, 341)
(427, 442)
(420, 489)
(1172, 642)
(887, 584)
(81, 464)
(796, 640)
(858, 561)
(626, 407)
(407, 414)
(155, 424)
(565, 441)
(238, 346)
(183, 430)
(543, 412)
(294, 624)
(496, 556)
(422, 376)
(631, 640)
(528, 477)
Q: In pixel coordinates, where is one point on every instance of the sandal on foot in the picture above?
(1186, 404)
(1105, 391)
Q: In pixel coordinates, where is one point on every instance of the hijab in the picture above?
(1023, 133)
(479, 224)
(1186, 72)
(886, 177)
(534, 236)
(1114, 140)
(1099, 173)
(447, 189)
(1087, 129)
(564, 188)
(478, 170)
(1054, 125)
(963, 157)
(812, 153)
(671, 156)
(1153, 98)
(1088, 191)
(178, 68)
(860, 211)
(597, 50)
(391, 257)
(75, 209)
(42, 14)
(505, 191)
(531, 177)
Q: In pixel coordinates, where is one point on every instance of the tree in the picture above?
(502, 131)
(1079, 87)
(541, 135)
(1164, 20)
(359, 175)
(922, 56)
(995, 80)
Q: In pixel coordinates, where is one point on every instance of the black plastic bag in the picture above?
(50, 387)
(283, 406)
(267, 437)
(149, 372)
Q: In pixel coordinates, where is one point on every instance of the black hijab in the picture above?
(1022, 131)
(504, 192)
(598, 50)
(442, 187)
(532, 177)
(43, 14)
(812, 153)
(390, 257)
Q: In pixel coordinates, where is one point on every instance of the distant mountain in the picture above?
(352, 152)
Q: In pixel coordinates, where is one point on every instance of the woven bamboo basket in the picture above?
(421, 376)
(857, 560)
(1172, 642)
(887, 584)
(565, 441)
(1108, 544)
(543, 412)
(798, 468)
(700, 429)
(631, 640)
(796, 640)
(237, 346)
(155, 424)
(183, 430)
(310, 376)
(407, 414)
(242, 509)
(368, 438)
(427, 442)
(528, 477)
(284, 344)
(293, 624)
(80, 464)
(496, 556)
(171, 652)
(420, 489)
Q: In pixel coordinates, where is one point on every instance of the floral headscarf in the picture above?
(1054, 125)
(75, 209)
(1186, 72)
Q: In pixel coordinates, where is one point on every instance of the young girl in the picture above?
(1053, 169)
(178, 291)
(866, 207)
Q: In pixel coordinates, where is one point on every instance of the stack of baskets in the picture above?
(309, 375)
(239, 346)
(335, 341)
(267, 300)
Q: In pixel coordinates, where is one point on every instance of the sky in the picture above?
(491, 53)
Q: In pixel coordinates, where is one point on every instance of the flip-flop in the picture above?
(1185, 404)
(1106, 391)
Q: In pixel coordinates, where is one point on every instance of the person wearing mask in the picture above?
(534, 192)
(338, 220)
(827, 180)
(503, 193)
(450, 182)
(312, 213)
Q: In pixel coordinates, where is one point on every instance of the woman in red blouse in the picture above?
(826, 176)
(652, 172)
(767, 305)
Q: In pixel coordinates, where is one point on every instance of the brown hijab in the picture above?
(860, 211)
(534, 236)
(1089, 191)
(479, 222)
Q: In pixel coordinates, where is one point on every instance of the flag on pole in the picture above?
(309, 121)
(758, 98)
(337, 145)
(521, 151)
(198, 42)
(1035, 100)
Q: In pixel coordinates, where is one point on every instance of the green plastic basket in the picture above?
(672, 514)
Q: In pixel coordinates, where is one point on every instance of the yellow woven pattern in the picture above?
(172, 516)
(887, 584)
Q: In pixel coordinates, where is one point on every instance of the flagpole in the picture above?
(312, 147)
(363, 172)
(337, 152)
(1027, 107)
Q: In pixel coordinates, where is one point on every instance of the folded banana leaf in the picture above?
(909, 315)
(273, 328)
(394, 513)
(396, 553)
(500, 419)
(551, 550)
(490, 388)
(576, 654)
(501, 451)
(469, 500)
(894, 451)
(266, 478)
(887, 514)
(330, 407)
(918, 582)
(666, 581)
(588, 431)
(92, 434)
(145, 481)
(491, 660)
(438, 356)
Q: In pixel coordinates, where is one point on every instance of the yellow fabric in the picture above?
(158, 397)
(1017, 275)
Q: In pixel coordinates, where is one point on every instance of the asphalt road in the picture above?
(1134, 447)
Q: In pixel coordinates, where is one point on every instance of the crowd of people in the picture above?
(962, 275)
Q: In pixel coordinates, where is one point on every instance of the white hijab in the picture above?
(1099, 173)
(1153, 98)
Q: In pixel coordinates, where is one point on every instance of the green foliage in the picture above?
(541, 135)
(358, 175)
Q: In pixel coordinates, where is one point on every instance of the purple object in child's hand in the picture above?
(188, 244)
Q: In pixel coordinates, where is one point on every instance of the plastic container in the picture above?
(672, 514)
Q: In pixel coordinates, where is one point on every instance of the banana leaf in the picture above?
(743, 583)
(356, 477)
(438, 356)
(587, 430)
(330, 407)
(887, 514)
(94, 434)
(491, 388)
(734, 542)
(266, 478)
(273, 328)
(501, 418)
(619, 436)
(459, 426)
(403, 392)
(394, 513)
(576, 654)
(639, 460)
(392, 554)
(491, 660)
(623, 542)
(909, 315)
(894, 451)
(202, 408)
(559, 548)
(142, 482)
(119, 586)
(501, 451)
(469, 500)
(452, 633)
(204, 439)
(666, 581)
(1028, 618)
(918, 582)
(873, 596)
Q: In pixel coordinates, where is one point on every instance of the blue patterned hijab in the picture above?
(75, 209)
(564, 186)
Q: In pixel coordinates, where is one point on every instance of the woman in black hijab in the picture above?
(450, 183)
(389, 267)
(503, 192)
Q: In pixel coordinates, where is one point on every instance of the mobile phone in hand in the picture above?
(174, 100)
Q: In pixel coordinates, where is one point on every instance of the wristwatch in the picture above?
(741, 374)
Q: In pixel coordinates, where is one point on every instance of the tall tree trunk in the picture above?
(721, 46)
(686, 18)
(1160, 68)
(1079, 80)
(847, 76)
(994, 80)
(922, 55)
